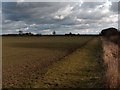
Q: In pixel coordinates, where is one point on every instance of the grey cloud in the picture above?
(14, 25)
(91, 5)
(115, 6)
(27, 10)
(70, 16)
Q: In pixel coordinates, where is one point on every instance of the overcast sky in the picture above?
(62, 17)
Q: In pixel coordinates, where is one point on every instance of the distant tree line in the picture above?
(21, 33)
(106, 32)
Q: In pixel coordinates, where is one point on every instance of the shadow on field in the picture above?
(44, 45)
(50, 45)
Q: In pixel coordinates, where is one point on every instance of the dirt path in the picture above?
(79, 69)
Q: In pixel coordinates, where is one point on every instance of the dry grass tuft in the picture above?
(111, 63)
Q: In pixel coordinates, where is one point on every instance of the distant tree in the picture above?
(70, 33)
(39, 34)
(20, 32)
(111, 34)
(54, 33)
(29, 33)
(78, 34)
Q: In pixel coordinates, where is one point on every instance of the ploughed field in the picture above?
(51, 61)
